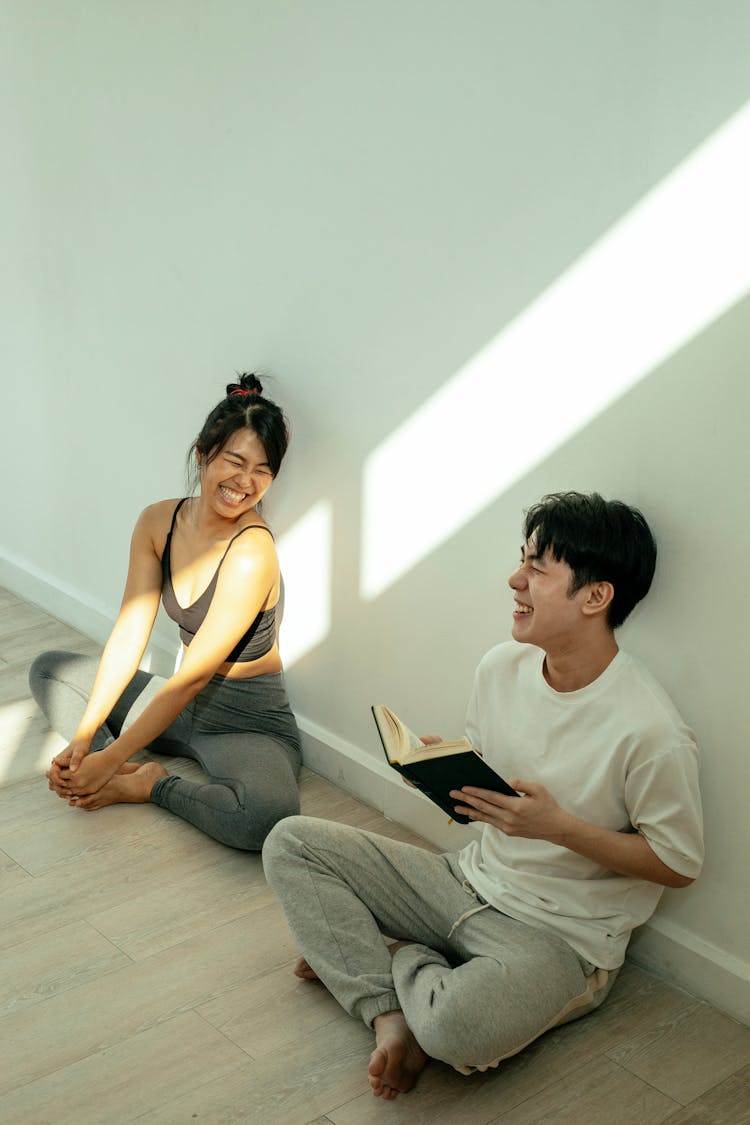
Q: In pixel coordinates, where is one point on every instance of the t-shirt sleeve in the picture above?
(471, 727)
(664, 804)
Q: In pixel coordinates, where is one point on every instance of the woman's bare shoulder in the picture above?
(154, 521)
(251, 547)
(265, 541)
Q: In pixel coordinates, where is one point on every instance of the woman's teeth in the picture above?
(231, 495)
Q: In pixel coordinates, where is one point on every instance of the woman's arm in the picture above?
(128, 639)
(247, 576)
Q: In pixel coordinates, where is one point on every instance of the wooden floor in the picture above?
(146, 976)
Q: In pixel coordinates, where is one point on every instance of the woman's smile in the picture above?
(231, 496)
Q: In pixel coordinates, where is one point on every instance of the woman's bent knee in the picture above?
(278, 813)
(42, 669)
(250, 829)
(58, 667)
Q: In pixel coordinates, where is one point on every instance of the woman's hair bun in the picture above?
(249, 384)
(244, 405)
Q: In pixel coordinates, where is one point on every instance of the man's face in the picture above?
(545, 612)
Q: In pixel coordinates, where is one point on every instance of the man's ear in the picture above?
(599, 598)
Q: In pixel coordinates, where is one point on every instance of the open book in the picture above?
(435, 770)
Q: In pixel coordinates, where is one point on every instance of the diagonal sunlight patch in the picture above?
(660, 275)
(26, 742)
(305, 558)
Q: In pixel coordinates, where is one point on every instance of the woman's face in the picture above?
(238, 477)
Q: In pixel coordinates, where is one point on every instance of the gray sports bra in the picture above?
(260, 636)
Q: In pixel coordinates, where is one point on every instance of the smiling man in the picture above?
(526, 927)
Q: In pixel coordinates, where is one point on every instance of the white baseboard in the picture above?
(661, 946)
(703, 970)
(373, 781)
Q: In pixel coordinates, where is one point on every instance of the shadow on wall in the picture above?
(664, 272)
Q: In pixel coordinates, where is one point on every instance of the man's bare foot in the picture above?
(303, 970)
(132, 784)
(394, 946)
(397, 1058)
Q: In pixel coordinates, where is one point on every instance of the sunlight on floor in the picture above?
(657, 278)
(26, 742)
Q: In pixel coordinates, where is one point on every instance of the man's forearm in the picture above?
(627, 853)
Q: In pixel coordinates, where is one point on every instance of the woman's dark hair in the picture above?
(600, 540)
(244, 406)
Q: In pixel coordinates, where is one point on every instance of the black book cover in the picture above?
(437, 776)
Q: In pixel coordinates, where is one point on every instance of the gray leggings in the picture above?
(475, 987)
(242, 733)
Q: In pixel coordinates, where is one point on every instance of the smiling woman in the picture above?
(211, 558)
(238, 474)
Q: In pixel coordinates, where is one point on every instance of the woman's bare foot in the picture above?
(397, 1058)
(132, 784)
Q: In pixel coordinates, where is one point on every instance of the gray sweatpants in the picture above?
(241, 732)
(475, 987)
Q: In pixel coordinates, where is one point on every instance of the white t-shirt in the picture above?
(616, 754)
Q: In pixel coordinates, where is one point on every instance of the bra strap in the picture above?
(174, 516)
(165, 555)
(250, 527)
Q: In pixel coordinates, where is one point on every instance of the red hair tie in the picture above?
(242, 391)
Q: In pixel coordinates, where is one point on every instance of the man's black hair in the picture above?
(600, 540)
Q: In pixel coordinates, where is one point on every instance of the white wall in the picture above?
(357, 199)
